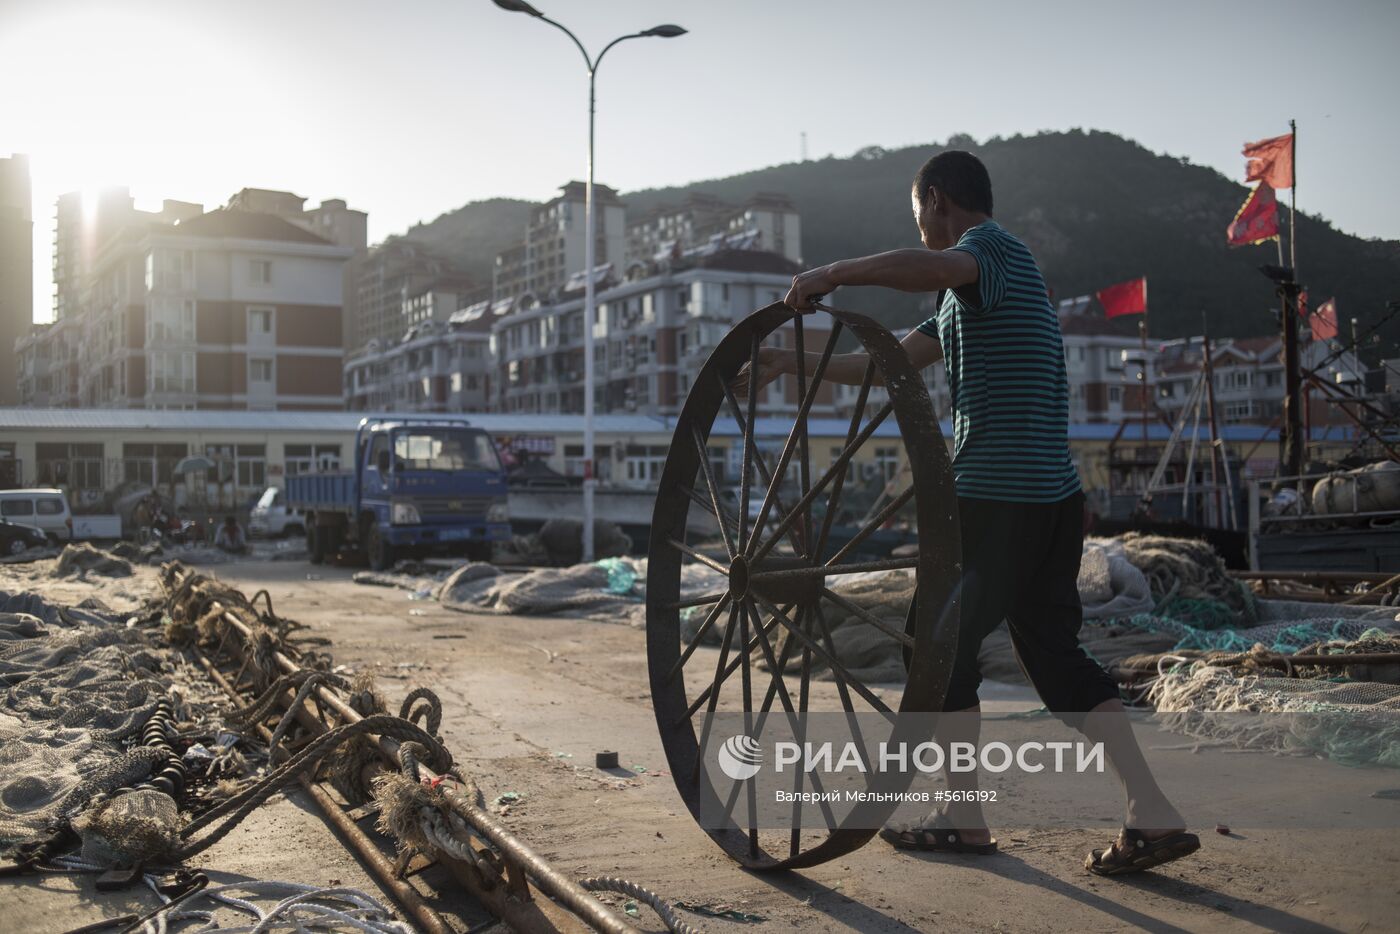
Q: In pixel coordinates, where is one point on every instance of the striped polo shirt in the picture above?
(1006, 372)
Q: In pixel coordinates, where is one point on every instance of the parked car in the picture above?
(16, 539)
(45, 509)
(271, 518)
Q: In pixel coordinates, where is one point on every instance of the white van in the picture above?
(44, 509)
(272, 519)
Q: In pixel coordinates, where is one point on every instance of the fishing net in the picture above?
(78, 688)
(1352, 722)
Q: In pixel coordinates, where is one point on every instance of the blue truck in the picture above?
(419, 485)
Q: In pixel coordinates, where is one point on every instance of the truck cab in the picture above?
(419, 485)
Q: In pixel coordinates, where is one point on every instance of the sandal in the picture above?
(1133, 852)
(940, 836)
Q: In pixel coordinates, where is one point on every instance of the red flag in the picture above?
(1324, 321)
(1125, 298)
(1257, 220)
(1270, 161)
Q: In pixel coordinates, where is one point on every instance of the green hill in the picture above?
(473, 234)
(1095, 208)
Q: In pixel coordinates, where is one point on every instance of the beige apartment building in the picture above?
(231, 309)
(554, 244)
(16, 269)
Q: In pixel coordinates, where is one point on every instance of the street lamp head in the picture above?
(665, 31)
(517, 6)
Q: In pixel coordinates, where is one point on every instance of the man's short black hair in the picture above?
(959, 175)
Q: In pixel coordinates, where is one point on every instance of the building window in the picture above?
(169, 320)
(76, 466)
(311, 458)
(260, 271)
(887, 462)
(259, 370)
(249, 462)
(151, 464)
(1115, 393)
(171, 373)
(259, 322)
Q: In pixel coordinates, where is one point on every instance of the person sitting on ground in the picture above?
(230, 537)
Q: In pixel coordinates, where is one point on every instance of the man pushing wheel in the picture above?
(1019, 500)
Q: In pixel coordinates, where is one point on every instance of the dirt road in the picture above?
(528, 701)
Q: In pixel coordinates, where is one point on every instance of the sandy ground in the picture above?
(528, 701)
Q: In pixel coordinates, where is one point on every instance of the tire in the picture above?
(316, 544)
(292, 531)
(378, 552)
(478, 551)
(17, 547)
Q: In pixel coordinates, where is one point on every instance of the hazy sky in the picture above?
(410, 108)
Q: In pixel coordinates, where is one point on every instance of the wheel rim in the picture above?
(761, 575)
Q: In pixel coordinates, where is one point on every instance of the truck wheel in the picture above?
(379, 553)
(316, 544)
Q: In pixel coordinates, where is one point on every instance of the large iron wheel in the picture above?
(777, 568)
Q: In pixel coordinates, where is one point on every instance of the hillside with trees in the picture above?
(1095, 208)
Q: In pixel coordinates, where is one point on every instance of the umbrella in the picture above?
(193, 464)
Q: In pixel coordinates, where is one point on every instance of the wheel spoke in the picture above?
(833, 502)
(828, 570)
(705, 504)
(799, 431)
(777, 687)
(712, 695)
(746, 464)
(705, 600)
(699, 636)
(867, 617)
(837, 669)
(759, 460)
(722, 674)
(746, 685)
(804, 467)
(892, 507)
(698, 556)
(708, 470)
(827, 477)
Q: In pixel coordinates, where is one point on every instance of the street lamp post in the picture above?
(665, 31)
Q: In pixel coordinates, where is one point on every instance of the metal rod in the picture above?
(841, 462)
(827, 570)
(837, 669)
(871, 527)
(707, 469)
(903, 638)
(797, 433)
(834, 500)
(567, 893)
(698, 637)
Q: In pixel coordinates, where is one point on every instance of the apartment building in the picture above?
(438, 366)
(16, 269)
(231, 309)
(1249, 379)
(393, 284)
(770, 221)
(555, 240)
(652, 333)
(332, 220)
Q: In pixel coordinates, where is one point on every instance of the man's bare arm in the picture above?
(914, 270)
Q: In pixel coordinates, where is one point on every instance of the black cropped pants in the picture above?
(1021, 565)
